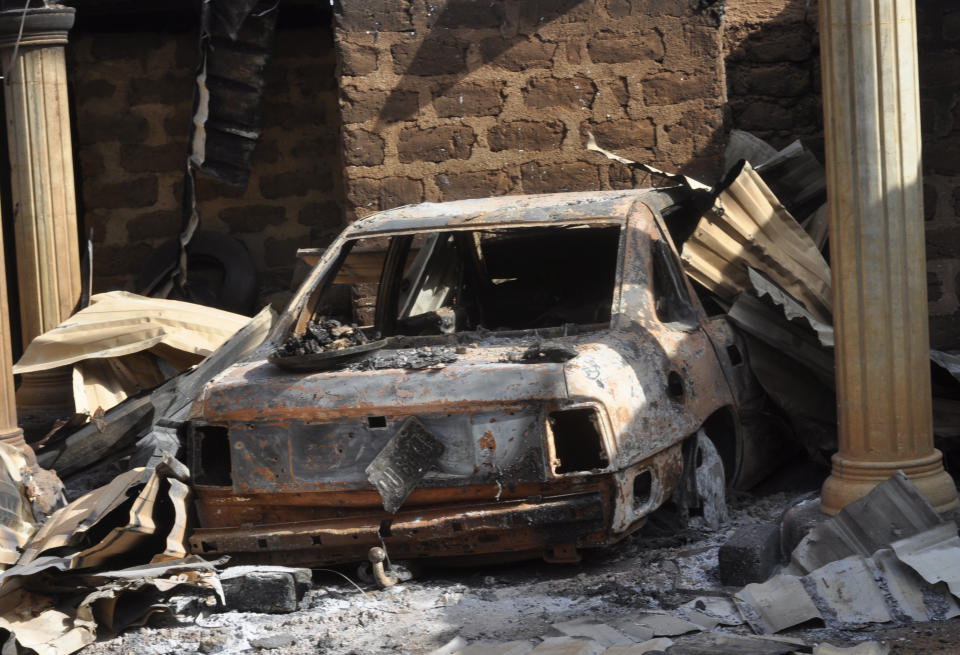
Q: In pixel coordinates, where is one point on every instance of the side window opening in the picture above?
(341, 311)
(670, 296)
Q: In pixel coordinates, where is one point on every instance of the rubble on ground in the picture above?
(118, 555)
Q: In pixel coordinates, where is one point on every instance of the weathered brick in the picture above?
(620, 176)
(620, 90)
(661, 7)
(95, 89)
(153, 225)
(576, 92)
(608, 48)
(209, 188)
(456, 14)
(618, 8)
(177, 125)
(536, 13)
(435, 144)
(671, 88)
(322, 235)
(514, 55)
(930, 198)
(320, 214)
(316, 147)
(480, 184)
(268, 151)
(699, 44)
(294, 183)
(362, 148)
(375, 15)
(363, 194)
(694, 128)
(944, 331)
(397, 191)
(313, 79)
(781, 80)
(357, 59)
(553, 178)
(780, 43)
(131, 193)
(934, 287)
(624, 133)
(294, 114)
(281, 252)
(90, 164)
(942, 156)
(252, 218)
(125, 46)
(120, 260)
(760, 115)
(472, 99)
(95, 127)
(943, 243)
(137, 158)
(360, 105)
(526, 135)
(443, 56)
(170, 89)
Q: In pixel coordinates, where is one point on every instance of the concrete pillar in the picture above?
(41, 161)
(872, 132)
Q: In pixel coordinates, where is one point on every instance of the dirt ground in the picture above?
(653, 570)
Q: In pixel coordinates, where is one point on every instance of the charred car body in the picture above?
(528, 377)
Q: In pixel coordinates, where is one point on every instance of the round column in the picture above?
(41, 160)
(877, 254)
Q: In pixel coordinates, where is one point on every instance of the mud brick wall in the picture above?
(452, 99)
(773, 70)
(132, 92)
(939, 45)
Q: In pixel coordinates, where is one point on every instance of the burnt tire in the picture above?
(220, 272)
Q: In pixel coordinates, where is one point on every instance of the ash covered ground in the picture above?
(656, 569)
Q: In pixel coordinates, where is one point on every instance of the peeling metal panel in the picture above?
(848, 586)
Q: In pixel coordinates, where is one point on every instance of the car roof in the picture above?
(504, 210)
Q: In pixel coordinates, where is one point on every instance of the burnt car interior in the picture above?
(457, 281)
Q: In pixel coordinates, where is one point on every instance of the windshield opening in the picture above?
(458, 281)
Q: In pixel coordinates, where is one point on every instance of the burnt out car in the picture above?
(518, 376)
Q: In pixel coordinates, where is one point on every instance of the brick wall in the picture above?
(132, 92)
(773, 70)
(453, 99)
(939, 45)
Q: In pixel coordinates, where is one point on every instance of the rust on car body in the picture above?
(559, 434)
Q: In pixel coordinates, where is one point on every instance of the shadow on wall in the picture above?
(462, 99)
(772, 54)
(938, 42)
(441, 54)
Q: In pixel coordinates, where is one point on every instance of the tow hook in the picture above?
(384, 579)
